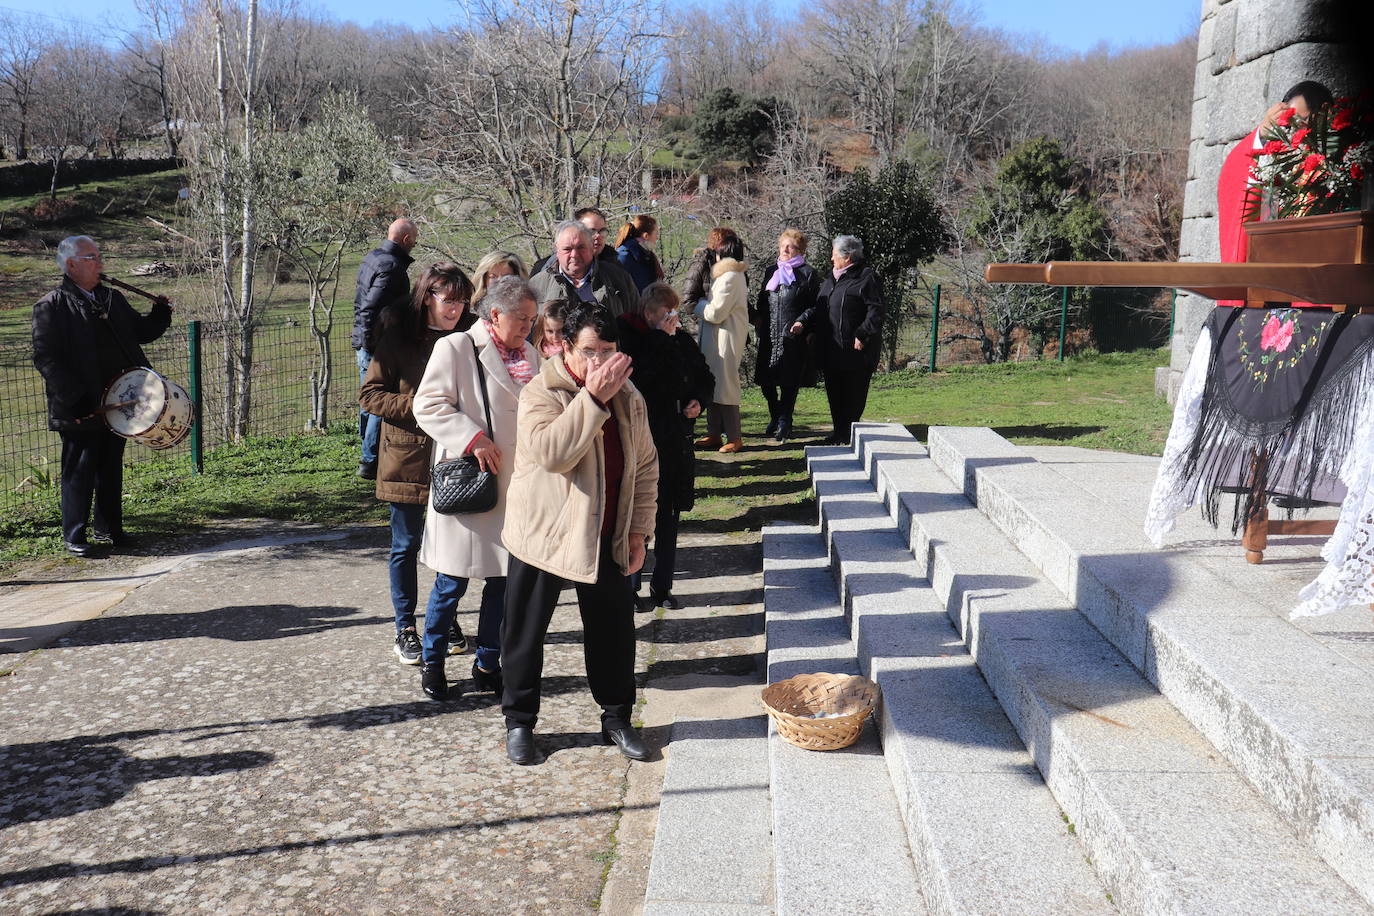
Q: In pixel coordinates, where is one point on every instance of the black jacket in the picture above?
(68, 338)
(781, 356)
(846, 310)
(669, 372)
(382, 280)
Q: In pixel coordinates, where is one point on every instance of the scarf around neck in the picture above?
(785, 275)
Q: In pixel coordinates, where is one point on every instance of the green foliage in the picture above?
(730, 126)
(896, 216)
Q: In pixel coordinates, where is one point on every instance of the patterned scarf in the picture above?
(516, 364)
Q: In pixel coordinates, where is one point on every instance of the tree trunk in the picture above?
(248, 253)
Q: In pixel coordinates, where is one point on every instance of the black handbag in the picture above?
(459, 485)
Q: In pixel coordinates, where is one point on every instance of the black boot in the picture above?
(433, 682)
(783, 430)
(487, 681)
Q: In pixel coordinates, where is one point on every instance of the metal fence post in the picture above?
(193, 361)
(934, 325)
(1063, 320)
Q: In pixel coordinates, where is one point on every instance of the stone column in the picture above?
(1249, 52)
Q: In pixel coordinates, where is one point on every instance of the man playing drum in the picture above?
(85, 334)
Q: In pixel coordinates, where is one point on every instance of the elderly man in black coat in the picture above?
(848, 322)
(382, 280)
(85, 334)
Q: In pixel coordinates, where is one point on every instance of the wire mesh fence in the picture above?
(285, 357)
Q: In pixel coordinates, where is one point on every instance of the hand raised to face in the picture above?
(606, 377)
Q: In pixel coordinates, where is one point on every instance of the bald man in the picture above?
(382, 279)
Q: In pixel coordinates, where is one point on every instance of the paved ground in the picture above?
(234, 734)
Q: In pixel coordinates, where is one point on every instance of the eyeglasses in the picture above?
(596, 356)
(85, 257)
(447, 300)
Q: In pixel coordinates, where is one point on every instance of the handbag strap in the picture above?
(482, 383)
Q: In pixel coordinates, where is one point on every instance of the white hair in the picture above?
(505, 295)
(67, 247)
(848, 246)
(571, 224)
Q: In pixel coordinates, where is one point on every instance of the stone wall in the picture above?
(1249, 53)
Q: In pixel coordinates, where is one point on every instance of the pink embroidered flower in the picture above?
(1276, 334)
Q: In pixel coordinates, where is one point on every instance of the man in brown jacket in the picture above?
(580, 507)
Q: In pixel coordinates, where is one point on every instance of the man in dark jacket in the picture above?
(85, 334)
(574, 274)
(848, 322)
(382, 279)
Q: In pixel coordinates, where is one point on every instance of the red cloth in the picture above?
(615, 461)
(1233, 191)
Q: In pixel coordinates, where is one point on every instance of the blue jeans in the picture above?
(407, 530)
(369, 427)
(443, 607)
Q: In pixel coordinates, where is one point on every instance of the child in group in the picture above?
(548, 330)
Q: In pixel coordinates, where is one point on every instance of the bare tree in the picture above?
(76, 104)
(22, 42)
(319, 202)
(150, 49)
(534, 107)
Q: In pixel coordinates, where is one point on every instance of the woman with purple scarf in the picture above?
(788, 291)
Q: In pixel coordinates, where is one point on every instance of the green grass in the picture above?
(304, 478)
(1099, 401)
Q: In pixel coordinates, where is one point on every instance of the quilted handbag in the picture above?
(460, 485)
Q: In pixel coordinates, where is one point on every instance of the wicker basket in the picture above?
(793, 702)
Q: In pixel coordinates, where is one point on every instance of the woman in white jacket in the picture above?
(727, 313)
(449, 407)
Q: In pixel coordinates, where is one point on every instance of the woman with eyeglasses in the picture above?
(472, 373)
(582, 504)
(409, 332)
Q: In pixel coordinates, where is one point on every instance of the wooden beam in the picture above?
(1015, 273)
(1351, 284)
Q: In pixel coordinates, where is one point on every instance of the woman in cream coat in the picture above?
(449, 407)
(727, 311)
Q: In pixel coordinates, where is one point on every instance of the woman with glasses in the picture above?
(581, 507)
(409, 332)
(473, 372)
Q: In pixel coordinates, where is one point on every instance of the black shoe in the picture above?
(667, 602)
(434, 684)
(644, 605)
(628, 740)
(783, 431)
(408, 646)
(457, 642)
(80, 548)
(772, 426)
(520, 746)
(367, 470)
(115, 539)
(487, 681)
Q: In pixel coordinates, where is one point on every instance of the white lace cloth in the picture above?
(1348, 577)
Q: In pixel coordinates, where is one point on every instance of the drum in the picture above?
(143, 406)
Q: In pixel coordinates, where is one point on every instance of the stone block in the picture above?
(1237, 100)
(1224, 39)
(1198, 239)
(1324, 62)
(713, 845)
(1269, 26)
(1200, 197)
(1206, 37)
(1204, 165)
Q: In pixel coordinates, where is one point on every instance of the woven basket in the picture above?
(792, 702)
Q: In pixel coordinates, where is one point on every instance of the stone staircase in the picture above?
(1073, 722)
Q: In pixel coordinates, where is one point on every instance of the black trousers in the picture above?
(608, 638)
(782, 400)
(92, 465)
(847, 392)
(666, 523)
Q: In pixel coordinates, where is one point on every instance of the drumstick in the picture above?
(134, 289)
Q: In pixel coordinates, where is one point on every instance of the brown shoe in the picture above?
(708, 442)
(734, 445)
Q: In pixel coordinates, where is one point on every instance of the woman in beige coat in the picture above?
(727, 311)
(449, 406)
(582, 505)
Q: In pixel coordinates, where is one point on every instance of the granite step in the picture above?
(1289, 705)
(1169, 826)
(988, 836)
(713, 846)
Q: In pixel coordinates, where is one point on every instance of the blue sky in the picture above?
(1074, 25)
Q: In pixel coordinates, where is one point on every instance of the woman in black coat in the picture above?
(848, 322)
(671, 374)
(788, 291)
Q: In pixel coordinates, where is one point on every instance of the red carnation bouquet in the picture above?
(1321, 165)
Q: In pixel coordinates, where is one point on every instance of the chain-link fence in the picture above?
(285, 357)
